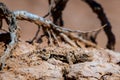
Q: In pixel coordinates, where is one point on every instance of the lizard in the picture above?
(67, 55)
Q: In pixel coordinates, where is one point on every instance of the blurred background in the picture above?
(77, 15)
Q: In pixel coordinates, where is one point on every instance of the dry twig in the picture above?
(10, 18)
(97, 8)
(55, 11)
(64, 33)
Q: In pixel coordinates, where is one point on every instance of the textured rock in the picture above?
(26, 64)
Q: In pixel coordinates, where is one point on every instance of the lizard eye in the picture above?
(44, 50)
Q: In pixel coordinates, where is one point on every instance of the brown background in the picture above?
(77, 15)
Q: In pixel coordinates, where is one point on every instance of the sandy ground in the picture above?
(77, 15)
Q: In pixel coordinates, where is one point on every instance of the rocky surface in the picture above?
(32, 62)
(26, 63)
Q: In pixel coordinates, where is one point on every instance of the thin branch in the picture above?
(97, 8)
(55, 37)
(24, 15)
(56, 8)
(50, 38)
(68, 40)
(10, 18)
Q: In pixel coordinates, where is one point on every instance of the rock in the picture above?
(26, 64)
(93, 70)
(44, 71)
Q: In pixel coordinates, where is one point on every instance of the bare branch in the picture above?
(10, 18)
(24, 15)
(97, 8)
(68, 40)
(55, 37)
(55, 11)
(72, 34)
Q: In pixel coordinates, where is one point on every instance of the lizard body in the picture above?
(68, 55)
